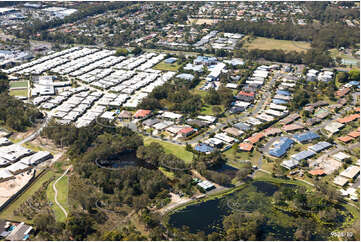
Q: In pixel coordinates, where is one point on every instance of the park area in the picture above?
(63, 188)
(178, 150)
(275, 44)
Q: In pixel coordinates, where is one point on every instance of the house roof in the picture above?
(245, 146)
(306, 136)
(141, 113)
(186, 130)
(243, 93)
(354, 134)
(279, 148)
(292, 127)
(255, 137)
(125, 114)
(320, 146)
(317, 172)
(342, 92)
(349, 118)
(345, 139)
(340, 181)
(350, 172)
(303, 155)
(203, 148)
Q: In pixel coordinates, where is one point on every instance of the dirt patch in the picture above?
(9, 188)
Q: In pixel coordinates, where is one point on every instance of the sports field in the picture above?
(21, 93)
(272, 44)
(18, 84)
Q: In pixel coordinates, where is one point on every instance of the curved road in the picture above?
(56, 192)
(36, 133)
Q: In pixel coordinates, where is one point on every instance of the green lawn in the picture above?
(63, 189)
(21, 93)
(207, 109)
(8, 212)
(272, 44)
(177, 150)
(14, 84)
(162, 66)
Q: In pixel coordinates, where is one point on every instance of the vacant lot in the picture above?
(8, 213)
(177, 150)
(162, 66)
(272, 44)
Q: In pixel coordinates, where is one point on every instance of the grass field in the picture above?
(272, 44)
(8, 212)
(207, 109)
(162, 66)
(63, 189)
(177, 150)
(21, 93)
(14, 84)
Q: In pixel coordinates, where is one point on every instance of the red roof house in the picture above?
(141, 113)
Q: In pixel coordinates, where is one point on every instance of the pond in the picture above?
(123, 160)
(257, 196)
(207, 216)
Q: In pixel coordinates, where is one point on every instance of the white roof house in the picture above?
(208, 118)
(277, 107)
(206, 185)
(36, 158)
(17, 167)
(340, 181)
(224, 137)
(341, 156)
(289, 164)
(351, 172)
(5, 174)
(333, 127)
(171, 115)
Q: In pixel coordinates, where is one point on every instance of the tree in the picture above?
(121, 52)
(80, 225)
(4, 83)
(342, 77)
(243, 172)
(354, 75)
(137, 50)
(151, 153)
(42, 221)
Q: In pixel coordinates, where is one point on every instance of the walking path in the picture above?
(56, 191)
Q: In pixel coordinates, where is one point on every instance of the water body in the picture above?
(208, 216)
(123, 160)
